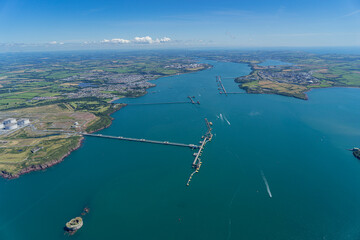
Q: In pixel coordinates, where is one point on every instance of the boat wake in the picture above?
(229, 229)
(221, 117)
(266, 183)
(227, 120)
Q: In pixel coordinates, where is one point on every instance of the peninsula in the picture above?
(293, 73)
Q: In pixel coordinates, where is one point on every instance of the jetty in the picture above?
(192, 101)
(221, 87)
(197, 161)
(192, 146)
(142, 140)
(196, 164)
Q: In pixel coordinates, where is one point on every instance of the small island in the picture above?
(74, 224)
(356, 152)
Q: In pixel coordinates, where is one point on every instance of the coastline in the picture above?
(302, 97)
(44, 166)
(38, 167)
(111, 118)
(306, 97)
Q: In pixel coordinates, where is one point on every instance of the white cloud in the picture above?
(120, 40)
(146, 40)
(55, 42)
(116, 40)
(149, 40)
(165, 39)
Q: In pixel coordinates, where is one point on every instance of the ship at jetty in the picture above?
(356, 152)
(74, 224)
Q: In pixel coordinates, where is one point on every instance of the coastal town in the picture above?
(281, 74)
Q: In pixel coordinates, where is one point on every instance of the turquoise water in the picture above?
(138, 191)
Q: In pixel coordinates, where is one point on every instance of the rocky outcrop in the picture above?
(356, 154)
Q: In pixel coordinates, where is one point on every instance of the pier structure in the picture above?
(207, 137)
(192, 101)
(197, 161)
(192, 146)
(222, 89)
(221, 86)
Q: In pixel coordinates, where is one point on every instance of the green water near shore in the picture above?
(138, 191)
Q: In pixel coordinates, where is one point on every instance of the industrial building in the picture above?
(12, 123)
(11, 126)
(23, 122)
(9, 121)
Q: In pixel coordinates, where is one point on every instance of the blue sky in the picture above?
(222, 23)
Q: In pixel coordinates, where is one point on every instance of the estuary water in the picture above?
(277, 168)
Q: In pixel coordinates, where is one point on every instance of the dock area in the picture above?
(220, 85)
(196, 164)
(222, 89)
(197, 161)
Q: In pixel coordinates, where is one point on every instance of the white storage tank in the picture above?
(9, 121)
(11, 126)
(23, 122)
